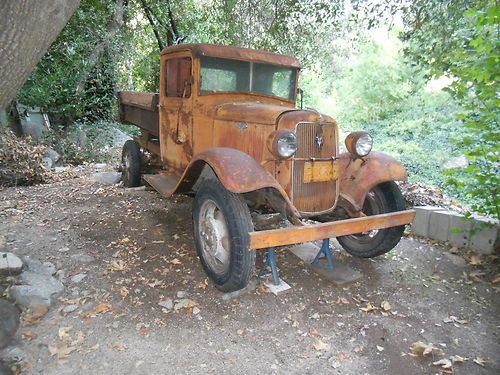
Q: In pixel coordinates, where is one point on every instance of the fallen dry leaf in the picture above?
(496, 280)
(321, 346)
(29, 335)
(421, 349)
(60, 351)
(203, 284)
(175, 261)
(124, 291)
(369, 307)
(116, 346)
(185, 303)
(64, 333)
(475, 260)
(117, 265)
(102, 308)
(458, 359)
(385, 305)
(481, 361)
(444, 363)
(454, 319)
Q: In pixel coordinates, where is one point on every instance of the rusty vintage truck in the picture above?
(225, 128)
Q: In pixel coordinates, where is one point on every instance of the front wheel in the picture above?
(382, 199)
(222, 223)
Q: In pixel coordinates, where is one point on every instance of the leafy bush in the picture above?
(409, 120)
(83, 142)
(20, 160)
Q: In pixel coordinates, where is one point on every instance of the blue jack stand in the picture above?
(325, 250)
(271, 263)
(339, 274)
(276, 285)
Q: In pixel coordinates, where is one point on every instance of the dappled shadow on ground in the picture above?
(143, 255)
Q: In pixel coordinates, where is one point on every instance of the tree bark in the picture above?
(27, 29)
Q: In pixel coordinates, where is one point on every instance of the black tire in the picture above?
(131, 164)
(234, 270)
(384, 198)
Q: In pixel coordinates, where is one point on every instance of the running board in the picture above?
(163, 183)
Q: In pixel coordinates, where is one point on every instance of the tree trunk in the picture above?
(27, 29)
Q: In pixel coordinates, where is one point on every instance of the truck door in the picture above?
(176, 105)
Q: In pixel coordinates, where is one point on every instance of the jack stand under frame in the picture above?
(276, 285)
(339, 274)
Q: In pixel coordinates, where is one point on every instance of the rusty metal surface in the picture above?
(236, 53)
(315, 140)
(163, 183)
(237, 171)
(261, 113)
(359, 176)
(140, 109)
(231, 133)
(293, 235)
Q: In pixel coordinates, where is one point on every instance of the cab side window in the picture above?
(178, 77)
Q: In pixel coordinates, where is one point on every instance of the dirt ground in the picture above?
(142, 249)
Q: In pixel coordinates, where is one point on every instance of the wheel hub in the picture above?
(214, 236)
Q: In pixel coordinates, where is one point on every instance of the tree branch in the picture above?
(114, 26)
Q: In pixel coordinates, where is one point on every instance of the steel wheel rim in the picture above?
(126, 162)
(214, 236)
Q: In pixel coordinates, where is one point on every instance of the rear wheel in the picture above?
(222, 223)
(131, 164)
(382, 199)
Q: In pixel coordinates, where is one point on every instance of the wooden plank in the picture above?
(293, 235)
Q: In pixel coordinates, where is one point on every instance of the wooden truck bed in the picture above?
(140, 109)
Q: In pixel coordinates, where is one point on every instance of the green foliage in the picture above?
(469, 54)
(84, 141)
(381, 94)
(53, 85)
(375, 84)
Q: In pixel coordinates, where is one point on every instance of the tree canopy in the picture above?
(370, 63)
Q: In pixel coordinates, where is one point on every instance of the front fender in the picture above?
(236, 170)
(359, 176)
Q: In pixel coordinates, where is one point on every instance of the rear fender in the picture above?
(237, 171)
(360, 175)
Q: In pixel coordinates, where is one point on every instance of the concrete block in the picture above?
(420, 225)
(461, 238)
(485, 233)
(439, 225)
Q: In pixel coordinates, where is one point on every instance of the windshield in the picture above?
(224, 75)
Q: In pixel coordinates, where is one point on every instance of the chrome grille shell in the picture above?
(316, 140)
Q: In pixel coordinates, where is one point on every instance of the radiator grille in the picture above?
(315, 140)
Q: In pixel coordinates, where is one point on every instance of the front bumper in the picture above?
(292, 235)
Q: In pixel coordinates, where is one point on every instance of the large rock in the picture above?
(10, 264)
(34, 265)
(9, 322)
(51, 158)
(107, 178)
(37, 291)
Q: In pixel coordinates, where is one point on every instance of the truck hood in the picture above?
(261, 113)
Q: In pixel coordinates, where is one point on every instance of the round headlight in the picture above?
(359, 143)
(283, 143)
(286, 145)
